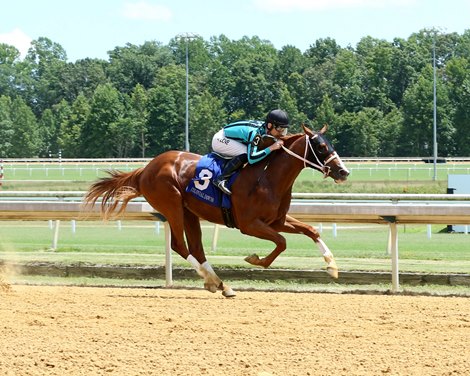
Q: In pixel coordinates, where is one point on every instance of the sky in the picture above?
(91, 28)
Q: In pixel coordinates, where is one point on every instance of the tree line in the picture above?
(376, 97)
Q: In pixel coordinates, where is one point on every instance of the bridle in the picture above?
(319, 165)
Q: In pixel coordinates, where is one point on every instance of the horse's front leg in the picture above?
(292, 225)
(261, 230)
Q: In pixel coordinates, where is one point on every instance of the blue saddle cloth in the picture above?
(208, 168)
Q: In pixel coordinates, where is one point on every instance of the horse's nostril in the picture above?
(344, 172)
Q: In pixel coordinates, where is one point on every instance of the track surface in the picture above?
(48, 330)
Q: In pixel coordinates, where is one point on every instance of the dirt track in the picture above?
(103, 331)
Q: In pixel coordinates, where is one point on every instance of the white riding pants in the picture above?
(227, 146)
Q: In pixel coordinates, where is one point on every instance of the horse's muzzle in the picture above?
(344, 173)
(341, 176)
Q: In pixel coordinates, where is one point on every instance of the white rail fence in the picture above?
(69, 172)
(387, 209)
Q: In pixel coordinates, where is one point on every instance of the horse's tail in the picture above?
(118, 188)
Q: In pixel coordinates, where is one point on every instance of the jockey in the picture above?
(240, 141)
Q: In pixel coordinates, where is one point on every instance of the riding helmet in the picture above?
(278, 118)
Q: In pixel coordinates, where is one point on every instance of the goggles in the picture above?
(281, 129)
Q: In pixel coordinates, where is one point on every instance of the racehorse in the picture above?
(260, 200)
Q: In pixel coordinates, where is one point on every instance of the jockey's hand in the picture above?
(277, 145)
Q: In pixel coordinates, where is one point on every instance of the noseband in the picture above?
(319, 165)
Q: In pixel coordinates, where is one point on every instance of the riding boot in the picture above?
(231, 167)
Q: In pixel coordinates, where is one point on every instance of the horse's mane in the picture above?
(289, 139)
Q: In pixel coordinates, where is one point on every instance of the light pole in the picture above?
(434, 106)
(187, 37)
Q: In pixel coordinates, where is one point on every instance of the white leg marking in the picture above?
(227, 290)
(208, 267)
(331, 267)
(196, 265)
(211, 277)
(325, 251)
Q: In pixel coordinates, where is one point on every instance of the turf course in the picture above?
(357, 248)
(140, 243)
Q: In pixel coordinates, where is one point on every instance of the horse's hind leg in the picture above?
(182, 221)
(212, 282)
(174, 214)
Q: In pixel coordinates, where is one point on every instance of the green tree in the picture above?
(326, 115)
(132, 65)
(458, 74)
(83, 77)
(377, 57)
(288, 103)
(418, 111)
(348, 82)
(47, 64)
(365, 132)
(206, 118)
(247, 78)
(124, 137)
(6, 127)
(166, 110)
(99, 130)
(323, 50)
(26, 142)
(342, 131)
(139, 114)
(290, 61)
(9, 57)
(317, 83)
(47, 132)
(403, 73)
(165, 123)
(134, 104)
(70, 133)
(389, 133)
(462, 49)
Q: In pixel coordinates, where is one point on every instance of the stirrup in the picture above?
(221, 185)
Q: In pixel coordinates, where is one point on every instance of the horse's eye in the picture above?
(322, 148)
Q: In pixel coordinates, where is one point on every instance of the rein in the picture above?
(319, 165)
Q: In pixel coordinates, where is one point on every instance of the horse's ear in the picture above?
(307, 130)
(324, 129)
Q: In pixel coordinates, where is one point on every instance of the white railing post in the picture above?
(215, 237)
(55, 238)
(394, 251)
(389, 241)
(157, 228)
(335, 230)
(168, 261)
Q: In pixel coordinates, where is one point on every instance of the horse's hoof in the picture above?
(210, 287)
(228, 292)
(332, 272)
(252, 259)
(331, 267)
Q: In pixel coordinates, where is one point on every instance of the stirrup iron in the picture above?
(221, 185)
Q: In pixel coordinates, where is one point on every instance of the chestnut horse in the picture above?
(260, 200)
